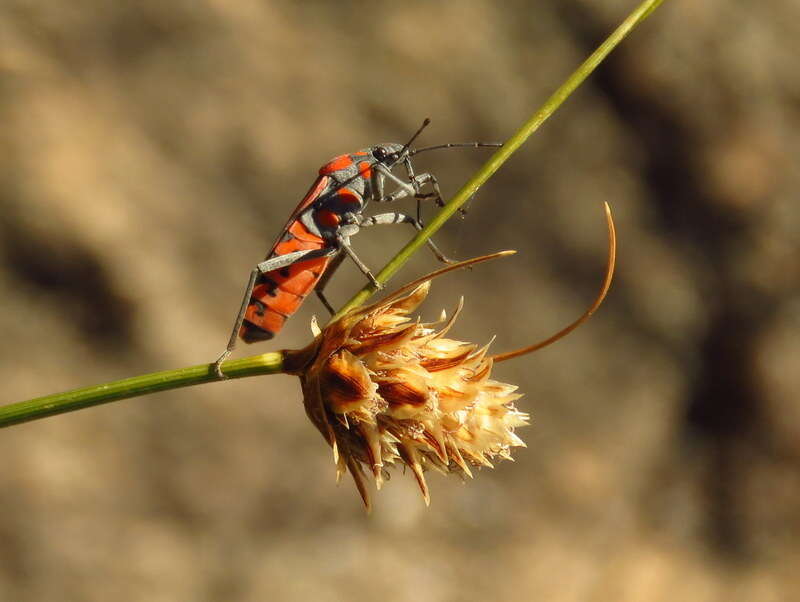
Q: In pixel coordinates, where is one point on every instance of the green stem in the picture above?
(293, 361)
(505, 152)
(59, 403)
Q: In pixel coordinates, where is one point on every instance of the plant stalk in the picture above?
(77, 399)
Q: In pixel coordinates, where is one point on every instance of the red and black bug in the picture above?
(316, 237)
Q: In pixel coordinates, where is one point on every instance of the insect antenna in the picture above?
(425, 123)
(452, 145)
(462, 210)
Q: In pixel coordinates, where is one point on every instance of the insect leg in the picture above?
(425, 178)
(237, 325)
(273, 263)
(436, 195)
(326, 276)
(383, 219)
(344, 245)
(417, 182)
(428, 178)
(405, 189)
(413, 181)
(287, 259)
(412, 187)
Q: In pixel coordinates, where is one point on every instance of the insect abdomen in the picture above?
(279, 293)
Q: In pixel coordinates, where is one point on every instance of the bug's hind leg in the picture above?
(237, 325)
(266, 266)
(383, 219)
(323, 281)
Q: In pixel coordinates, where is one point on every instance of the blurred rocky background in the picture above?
(152, 150)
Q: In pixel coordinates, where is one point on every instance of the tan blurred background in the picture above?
(151, 151)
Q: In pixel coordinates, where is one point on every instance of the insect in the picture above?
(316, 237)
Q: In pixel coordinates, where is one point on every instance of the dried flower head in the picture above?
(384, 389)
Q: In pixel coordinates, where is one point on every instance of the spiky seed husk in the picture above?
(383, 390)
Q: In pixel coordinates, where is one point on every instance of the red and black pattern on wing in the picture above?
(279, 293)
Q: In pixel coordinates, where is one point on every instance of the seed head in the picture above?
(384, 389)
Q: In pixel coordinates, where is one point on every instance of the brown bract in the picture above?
(383, 389)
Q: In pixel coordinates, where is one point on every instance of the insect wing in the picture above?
(312, 195)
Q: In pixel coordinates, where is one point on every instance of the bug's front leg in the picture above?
(426, 178)
(417, 183)
(413, 188)
(404, 189)
(326, 276)
(436, 195)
